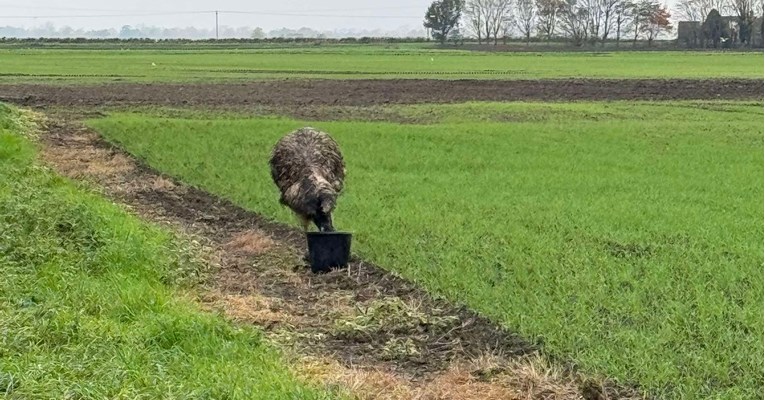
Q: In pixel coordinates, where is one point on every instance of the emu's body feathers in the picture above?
(308, 168)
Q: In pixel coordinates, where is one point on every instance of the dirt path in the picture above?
(373, 334)
(377, 92)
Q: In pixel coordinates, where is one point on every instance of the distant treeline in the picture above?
(362, 40)
(509, 45)
(49, 30)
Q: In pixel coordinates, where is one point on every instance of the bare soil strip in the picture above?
(378, 92)
(365, 330)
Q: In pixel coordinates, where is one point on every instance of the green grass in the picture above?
(625, 236)
(72, 66)
(93, 305)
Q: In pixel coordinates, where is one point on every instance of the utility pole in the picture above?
(216, 24)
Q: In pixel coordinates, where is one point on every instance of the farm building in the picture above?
(690, 33)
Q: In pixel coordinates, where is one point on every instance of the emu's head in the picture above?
(325, 204)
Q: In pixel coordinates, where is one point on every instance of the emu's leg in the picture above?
(306, 222)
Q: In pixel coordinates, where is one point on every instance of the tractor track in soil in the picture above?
(300, 93)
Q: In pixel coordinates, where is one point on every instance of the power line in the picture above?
(352, 9)
(289, 14)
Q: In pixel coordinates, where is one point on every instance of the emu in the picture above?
(308, 168)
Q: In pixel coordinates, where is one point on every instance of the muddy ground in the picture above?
(291, 93)
(363, 329)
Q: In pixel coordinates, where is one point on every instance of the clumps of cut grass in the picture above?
(81, 162)
(21, 122)
(487, 376)
(252, 308)
(389, 316)
(249, 243)
(400, 348)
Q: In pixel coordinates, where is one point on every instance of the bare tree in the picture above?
(639, 14)
(525, 17)
(595, 19)
(745, 12)
(697, 10)
(496, 17)
(487, 16)
(719, 5)
(689, 10)
(600, 15)
(759, 13)
(608, 9)
(622, 14)
(548, 13)
(474, 17)
(575, 21)
(507, 28)
(484, 9)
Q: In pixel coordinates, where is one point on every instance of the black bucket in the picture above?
(327, 250)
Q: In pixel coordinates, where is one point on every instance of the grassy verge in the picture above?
(73, 66)
(92, 303)
(625, 236)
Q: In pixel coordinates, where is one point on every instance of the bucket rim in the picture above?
(336, 233)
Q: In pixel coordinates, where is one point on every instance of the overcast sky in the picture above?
(321, 15)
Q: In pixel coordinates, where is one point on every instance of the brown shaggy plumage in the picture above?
(309, 170)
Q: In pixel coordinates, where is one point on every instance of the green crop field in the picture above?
(395, 61)
(96, 304)
(625, 236)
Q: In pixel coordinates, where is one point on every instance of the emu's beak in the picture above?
(327, 227)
